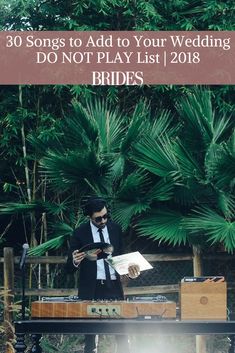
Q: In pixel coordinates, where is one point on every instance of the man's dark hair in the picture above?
(94, 204)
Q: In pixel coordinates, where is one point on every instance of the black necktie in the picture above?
(106, 265)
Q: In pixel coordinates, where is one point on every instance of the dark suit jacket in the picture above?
(88, 269)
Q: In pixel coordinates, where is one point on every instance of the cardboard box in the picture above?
(203, 300)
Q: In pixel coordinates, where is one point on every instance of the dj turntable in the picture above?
(73, 307)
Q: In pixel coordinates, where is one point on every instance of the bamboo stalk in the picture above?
(197, 271)
(8, 298)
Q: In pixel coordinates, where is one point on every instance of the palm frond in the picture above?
(109, 123)
(196, 112)
(201, 120)
(224, 169)
(117, 167)
(38, 205)
(131, 197)
(135, 127)
(61, 231)
(51, 244)
(161, 125)
(226, 203)
(76, 169)
(189, 166)
(64, 229)
(217, 228)
(193, 193)
(123, 212)
(220, 129)
(164, 226)
(192, 8)
(75, 131)
(212, 157)
(134, 186)
(157, 157)
(16, 207)
(83, 122)
(42, 143)
(231, 142)
(163, 190)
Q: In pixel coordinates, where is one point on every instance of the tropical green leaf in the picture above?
(109, 122)
(195, 110)
(157, 157)
(75, 170)
(61, 231)
(42, 143)
(217, 228)
(163, 190)
(189, 166)
(134, 186)
(212, 157)
(163, 226)
(221, 128)
(193, 193)
(123, 212)
(161, 125)
(16, 207)
(135, 127)
(8, 187)
(226, 203)
(39, 205)
(224, 169)
(51, 244)
(84, 123)
(117, 167)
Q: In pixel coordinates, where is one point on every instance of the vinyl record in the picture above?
(97, 251)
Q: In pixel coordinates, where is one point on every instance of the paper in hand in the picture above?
(122, 262)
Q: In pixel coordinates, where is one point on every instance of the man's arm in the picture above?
(77, 257)
(73, 259)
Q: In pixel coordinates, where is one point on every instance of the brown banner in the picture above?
(117, 57)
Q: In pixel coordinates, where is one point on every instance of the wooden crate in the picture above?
(203, 301)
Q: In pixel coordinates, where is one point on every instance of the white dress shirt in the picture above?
(100, 263)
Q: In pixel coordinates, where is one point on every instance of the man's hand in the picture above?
(78, 257)
(133, 271)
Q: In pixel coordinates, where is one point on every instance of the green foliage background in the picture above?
(35, 118)
(172, 170)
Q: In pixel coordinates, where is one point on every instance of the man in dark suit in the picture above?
(97, 280)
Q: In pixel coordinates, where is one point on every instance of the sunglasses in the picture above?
(99, 219)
